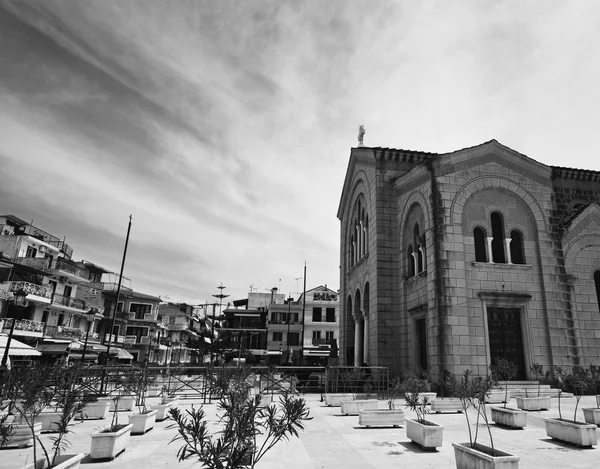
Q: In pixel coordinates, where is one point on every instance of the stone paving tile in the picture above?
(334, 441)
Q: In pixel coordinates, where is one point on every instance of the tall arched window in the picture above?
(597, 282)
(517, 254)
(480, 245)
(359, 238)
(410, 262)
(419, 249)
(498, 253)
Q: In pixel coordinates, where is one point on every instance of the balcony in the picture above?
(68, 302)
(69, 269)
(40, 263)
(24, 327)
(37, 293)
(148, 317)
(134, 340)
(116, 339)
(65, 332)
(320, 341)
(47, 238)
(178, 327)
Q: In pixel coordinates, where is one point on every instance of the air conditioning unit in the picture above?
(42, 248)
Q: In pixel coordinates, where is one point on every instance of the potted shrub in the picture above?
(390, 416)
(162, 408)
(110, 441)
(592, 414)
(421, 431)
(93, 408)
(572, 431)
(472, 392)
(446, 401)
(505, 370)
(247, 431)
(536, 402)
(37, 385)
(144, 420)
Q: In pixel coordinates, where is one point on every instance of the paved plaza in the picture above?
(333, 441)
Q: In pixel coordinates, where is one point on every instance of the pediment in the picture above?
(586, 222)
(495, 152)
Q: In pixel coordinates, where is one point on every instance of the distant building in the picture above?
(321, 324)
(451, 261)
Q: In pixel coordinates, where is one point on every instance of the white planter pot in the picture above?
(470, 458)
(162, 411)
(174, 401)
(592, 415)
(107, 445)
(335, 399)
(63, 461)
(154, 392)
(49, 420)
(429, 435)
(353, 407)
(497, 397)
(125, 403)
(446, 404)
(534, 403)
(94, 410)
(142, 423)
(384, 417)
(22, 436)
(580, 434)
(512, 418)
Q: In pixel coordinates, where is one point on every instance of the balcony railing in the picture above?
(32, 289)
(63, 331)
(24, 325)
(151, 317)
(61, 300)
(61, 265)
(129, 340)
(320, 341)
(40, 263)
(118, 339)
(46, 237)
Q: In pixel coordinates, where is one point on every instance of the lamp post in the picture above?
(290, 299)
(18, 300)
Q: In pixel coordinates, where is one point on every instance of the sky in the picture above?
(225, 127)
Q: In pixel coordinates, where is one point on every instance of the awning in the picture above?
(88, 355)
(316, 353)
(121, 354)
(17, 348)
(54, 347)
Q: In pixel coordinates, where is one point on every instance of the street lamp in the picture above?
(290, 299)
(18, 300)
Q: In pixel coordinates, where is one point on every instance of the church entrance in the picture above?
(506, 338)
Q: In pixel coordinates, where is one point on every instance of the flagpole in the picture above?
(112, 323)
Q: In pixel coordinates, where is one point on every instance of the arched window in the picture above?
(597, 282)
(410, 262)
(517, 255)
(418, 249)
(366, 234)
(352, 260)
(480, 245)
(498, 253)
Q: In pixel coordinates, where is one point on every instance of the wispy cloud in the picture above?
(224, 127)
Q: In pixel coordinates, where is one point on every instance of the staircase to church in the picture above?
(530, 389)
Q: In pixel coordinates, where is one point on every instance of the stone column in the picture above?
(358, 344)
(365, 339)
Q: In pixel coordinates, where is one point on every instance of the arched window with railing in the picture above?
(498, 247)
(517, 253)
(480, 238)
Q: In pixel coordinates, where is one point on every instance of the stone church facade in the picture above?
(449, 261)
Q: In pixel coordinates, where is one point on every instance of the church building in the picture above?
(450, 261)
